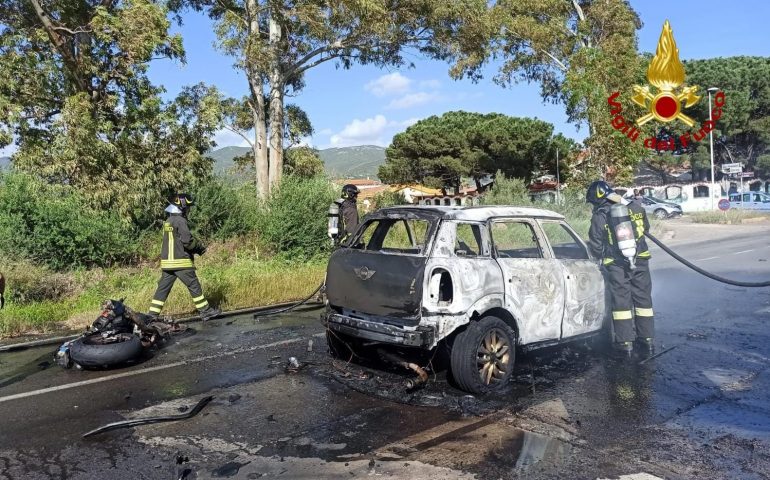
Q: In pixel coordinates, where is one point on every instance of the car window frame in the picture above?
(569, 229)
(424, 252)
(545, 253)
(486, 236)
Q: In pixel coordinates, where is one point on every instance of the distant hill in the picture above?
(348, 162)
(223, 157)
(353, 162)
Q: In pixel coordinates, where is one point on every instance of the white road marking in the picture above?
(132, 373)
(704, 259)
(743, 251)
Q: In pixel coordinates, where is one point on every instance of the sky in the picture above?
(368, 105)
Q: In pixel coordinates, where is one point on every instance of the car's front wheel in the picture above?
(660, 214)
(483, 355)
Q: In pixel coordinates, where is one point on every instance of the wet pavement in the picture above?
(700, 410)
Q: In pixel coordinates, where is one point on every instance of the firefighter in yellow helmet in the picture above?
(177, 258)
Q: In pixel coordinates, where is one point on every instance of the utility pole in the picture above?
(558, 182)
(711, 147)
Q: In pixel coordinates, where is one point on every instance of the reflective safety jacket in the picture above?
(601, 238)
(177, 241)
(349, 213)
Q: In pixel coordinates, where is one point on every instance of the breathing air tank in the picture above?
(623, 228)
(334, 220)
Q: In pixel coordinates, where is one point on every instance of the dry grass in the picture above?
(730, 217)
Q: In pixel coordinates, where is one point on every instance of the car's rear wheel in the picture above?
(660, 213)
(483, 355)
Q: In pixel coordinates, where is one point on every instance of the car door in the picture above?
(747, 203)
(534, 282)
(584, 292)
(763, 201)
(759, 201)
(381, 273)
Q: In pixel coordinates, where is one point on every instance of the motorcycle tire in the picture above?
(96, 351)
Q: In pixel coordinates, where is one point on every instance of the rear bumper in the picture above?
(378, 331)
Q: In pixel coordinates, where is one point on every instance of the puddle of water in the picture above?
(531, 448)
(15, 368)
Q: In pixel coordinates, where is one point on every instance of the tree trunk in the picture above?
(276, 133)
(276, 102)
(260, 155)
(256, 89)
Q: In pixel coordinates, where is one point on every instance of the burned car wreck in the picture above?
(485, 280)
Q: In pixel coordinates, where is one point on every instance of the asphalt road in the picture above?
(700, 410)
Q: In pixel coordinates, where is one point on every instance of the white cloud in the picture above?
(390, 84)
(413, 100)
(430, 84)
(226, 138)
(409, 122)
(361, 132)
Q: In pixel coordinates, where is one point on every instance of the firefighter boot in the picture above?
(646, 345)
(622, 349)
(210, 313)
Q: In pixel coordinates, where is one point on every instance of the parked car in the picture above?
(750, 201)
(485, 280)
(660, 208)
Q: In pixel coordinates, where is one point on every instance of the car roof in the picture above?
(476, 213)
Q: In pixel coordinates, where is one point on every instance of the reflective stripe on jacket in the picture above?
(176, 239)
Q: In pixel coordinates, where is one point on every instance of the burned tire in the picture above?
(483, 355)
(94, 351)
(341, 346)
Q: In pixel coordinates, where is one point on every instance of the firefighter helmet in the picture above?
(181, 200)
(350, 191)
(598, 192)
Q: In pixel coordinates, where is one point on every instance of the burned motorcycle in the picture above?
(118, 336)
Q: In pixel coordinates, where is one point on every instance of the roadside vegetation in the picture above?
(572, 203)
(730, 217)
(62, 259)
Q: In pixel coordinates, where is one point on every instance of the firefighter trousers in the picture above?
(188, 277)
(631, 293)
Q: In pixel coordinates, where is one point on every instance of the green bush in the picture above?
(53, 225)
(293, 220)
(387, 199)
(507, 191)
(223, 210)
(571, 203)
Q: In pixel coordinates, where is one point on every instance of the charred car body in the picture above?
(485, 279)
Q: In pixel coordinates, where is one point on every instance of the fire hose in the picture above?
(290, 307)
(704, 272)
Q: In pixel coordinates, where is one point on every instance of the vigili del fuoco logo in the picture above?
(667, 99)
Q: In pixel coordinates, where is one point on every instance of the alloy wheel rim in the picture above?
(493, 357)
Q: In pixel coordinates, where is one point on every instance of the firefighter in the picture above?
(617, 238)
(176, 258)
(345, 211)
